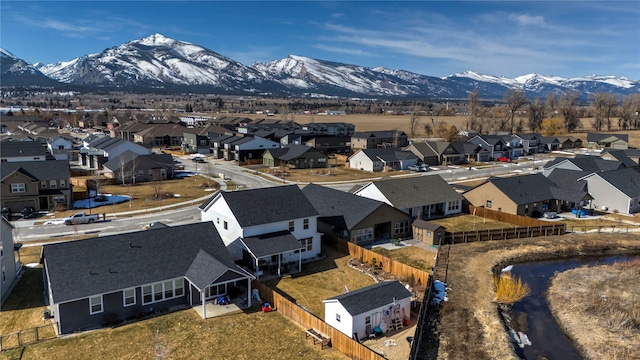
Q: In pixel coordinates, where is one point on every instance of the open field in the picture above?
(320, 280)
(601, 313)
(469, 326)
(339, 173)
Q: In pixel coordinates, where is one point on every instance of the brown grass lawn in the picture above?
(469, 325)
(320, 280)
(470, 223)
(602, 310)
(409, 255)
(339, 173)
(143, 194)
(184, 335)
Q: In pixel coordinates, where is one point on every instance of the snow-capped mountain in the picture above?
(159, 62)
(17, 72)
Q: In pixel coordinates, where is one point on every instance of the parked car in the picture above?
(504, 159)
(6, 212)
(81, 218)
(550, 215)
(419, 168)
(28, 212)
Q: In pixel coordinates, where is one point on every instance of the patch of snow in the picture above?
(32, 265)
(54, 222)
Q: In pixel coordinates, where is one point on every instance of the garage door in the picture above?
(16, 206)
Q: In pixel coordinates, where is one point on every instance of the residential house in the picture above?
(495, 144)
(130, 167)
(295, 156)
(527, 195)
(259, 228)
(60, 147)
(549, 143)
(615, 190)
(382, 159)
(422, 197)
(248, 148)
(20, 151)
(429, 152)
(582, 163)
(614, 141)
(98, 151)
(194, 143)
(103, 281)
(467, 152)
(436, 153)
(569, 142)
(330, 144)
(428, 232)
(43, 185)
(216, 144)
(530, 142)
(355, 218)
(376, 139)
(163, 135)
(382, 306)
(629, 157)
(9, 267)
(337, 129)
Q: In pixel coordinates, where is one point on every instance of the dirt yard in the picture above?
(469, 326)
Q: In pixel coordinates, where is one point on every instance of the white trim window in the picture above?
(359, 235)
(63, 183)
(307, 244)
(453, 205)
(305, 224)
(18, 188)
(95, 305)
(128, 297)
(53, 184)
(161, 291)
(402, 227)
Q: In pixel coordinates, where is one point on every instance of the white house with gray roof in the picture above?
(616, 190)
(103, 281)
(270, 229)
(422, 197)
(382, 159)
(358, 313)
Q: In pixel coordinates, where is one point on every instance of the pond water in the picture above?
(532, 315)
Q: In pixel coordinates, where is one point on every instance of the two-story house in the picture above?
(42, 185)
(375, 139)
(99, 150)
(269, 229)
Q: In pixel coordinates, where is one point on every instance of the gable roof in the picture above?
(625, 180)
(595, 137)
(206, 269)
(417, 191)
(379, 134)
(265, 205)
(79, 269)
(586, 163)
(341, 208)
(38, 170)
(386, 154)
(21, 148)
(372, 297)
(532, 188)
(162, 160)
(290, 152)
(422, 224)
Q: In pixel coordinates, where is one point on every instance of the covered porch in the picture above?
(273, 254)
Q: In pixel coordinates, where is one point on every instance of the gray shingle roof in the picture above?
(422, 224)
(340, 208)
(78, 269)
(272, 244)
(625, 180)
(290, 152)
(163, 160)
(39, 170)
(388, 154)
(206, 269)
(568, 179)
(586, 163)
(21, 148)
(595, 137)
(532, 188)
(266, 205)
(417, 191)
(372, 297)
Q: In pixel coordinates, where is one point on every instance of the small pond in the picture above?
(532, 315)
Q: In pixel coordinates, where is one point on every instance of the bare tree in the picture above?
(515, 99)
(603, 104)
(446, 132)
(536, 114)
(414, 122)
(551, 102)
(630, 111)
(122, 174)
(474, 107)
(567, 104)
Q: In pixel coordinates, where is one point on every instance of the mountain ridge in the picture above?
(159, 62)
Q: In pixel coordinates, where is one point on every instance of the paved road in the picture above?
(119, 223)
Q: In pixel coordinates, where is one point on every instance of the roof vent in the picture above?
(91, 272)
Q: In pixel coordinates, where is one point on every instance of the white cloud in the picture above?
(528, 19)
(342, 50)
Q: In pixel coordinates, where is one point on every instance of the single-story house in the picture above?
(614, 141)
(422, 197)
(130, 167)
(103, 281)
(361, 312)
(382, 159)
(617, 190)
(295, 156)
(355, 218)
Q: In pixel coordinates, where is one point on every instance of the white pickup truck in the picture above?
(81, 218)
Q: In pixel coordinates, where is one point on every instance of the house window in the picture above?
(360, 235)
(217, 220)
(307, 244)
(59, 199)
(453, 205)
(338, 317)
(402, 227)
(43, 184)
(162, 291)
(53, 184)
(305, 224)
(488, 204)
(128, 297)
(291, 226)
(18, 188)
(226, 225)
(141, 173)
(63, 183)
(428, 233)
(95, 304)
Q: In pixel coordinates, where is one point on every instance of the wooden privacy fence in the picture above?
(302, 317)
(517, 220)
(504, 233)
(29, 336)
(397, 268)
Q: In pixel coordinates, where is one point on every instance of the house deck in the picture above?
(215, 310)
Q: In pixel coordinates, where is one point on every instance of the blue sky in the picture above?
(438, 38)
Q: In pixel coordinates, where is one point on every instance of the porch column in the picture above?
(279, 263)
(300, 260)
(190, 294)
(249, 292)
(257, 269)
(204, 305)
